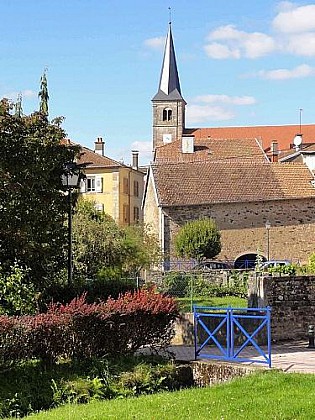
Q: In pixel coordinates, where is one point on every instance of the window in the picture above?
(167, 114)
(126, 215)
(136, 214)
(125, 186)
(136, 188)
(94, 184)
(90, 183)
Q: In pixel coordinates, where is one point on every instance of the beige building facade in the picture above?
(114, 187)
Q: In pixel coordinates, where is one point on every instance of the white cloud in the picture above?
(301, 71)
(238, 43)
(155, 43)
(291, 31)
(302, 44)
(225, 33)
(203, 113)
(220, 51)
(142, 146)
(225, 99)
(295, 19)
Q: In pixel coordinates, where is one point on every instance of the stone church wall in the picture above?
(242, 226)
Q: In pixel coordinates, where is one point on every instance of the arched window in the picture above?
(167, 114)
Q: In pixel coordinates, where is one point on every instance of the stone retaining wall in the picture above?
(292, 302)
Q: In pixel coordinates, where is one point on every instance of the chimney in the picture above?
(99, 146)
(188, 144)
(274, 151)
(135, 159)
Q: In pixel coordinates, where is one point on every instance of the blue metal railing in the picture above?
(215, 333)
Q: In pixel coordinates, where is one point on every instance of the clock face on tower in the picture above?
(167, 138)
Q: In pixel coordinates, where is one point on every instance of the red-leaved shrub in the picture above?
(82, 330)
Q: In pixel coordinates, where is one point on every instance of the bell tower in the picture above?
(168, 103)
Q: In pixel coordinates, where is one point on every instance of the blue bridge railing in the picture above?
(233, 334)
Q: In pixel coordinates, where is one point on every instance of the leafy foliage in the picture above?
(30, 386)
(198, 239)
(102, 249)
(17, 294)
(33, 207)
(97, 241)
(79, 330)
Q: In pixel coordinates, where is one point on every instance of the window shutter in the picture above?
(98, 184)
(82, 186)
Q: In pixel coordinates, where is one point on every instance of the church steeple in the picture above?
(169, 81)
(168, 103)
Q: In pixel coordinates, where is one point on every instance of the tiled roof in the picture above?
(94, 160)
(283, 134)
(211, 149)
(207, 182)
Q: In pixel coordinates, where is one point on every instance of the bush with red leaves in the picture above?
(82, 330)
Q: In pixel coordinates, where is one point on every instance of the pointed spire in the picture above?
(43, 95)
(169, 80)
(18, 111)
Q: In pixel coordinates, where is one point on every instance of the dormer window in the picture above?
(167, 114)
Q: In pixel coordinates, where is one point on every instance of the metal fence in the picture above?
(233, 334)
(194, 287)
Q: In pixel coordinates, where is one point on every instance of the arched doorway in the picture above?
(247, 261)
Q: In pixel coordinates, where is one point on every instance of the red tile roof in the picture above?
(207, 182)
(211, 149)
(283, 134)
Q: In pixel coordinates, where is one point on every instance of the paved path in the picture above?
(288, 356)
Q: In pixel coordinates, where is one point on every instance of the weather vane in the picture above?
(170, 15)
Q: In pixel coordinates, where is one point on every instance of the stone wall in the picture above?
(242, 226)
(292, 302)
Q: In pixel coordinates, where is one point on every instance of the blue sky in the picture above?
(240, 63)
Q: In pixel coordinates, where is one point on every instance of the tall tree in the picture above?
(43, 95)
(33, 207)
(18, 111)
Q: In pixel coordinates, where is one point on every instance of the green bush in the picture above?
(176, 284)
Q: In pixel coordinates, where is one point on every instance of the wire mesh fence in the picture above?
(194, 287)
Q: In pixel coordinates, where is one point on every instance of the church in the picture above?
(232, 174)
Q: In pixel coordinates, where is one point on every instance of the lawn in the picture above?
(185, 303)
(269, 395)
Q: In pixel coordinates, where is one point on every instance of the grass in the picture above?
(268, 395)
(224, 301)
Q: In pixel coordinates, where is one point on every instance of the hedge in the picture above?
(80, 330)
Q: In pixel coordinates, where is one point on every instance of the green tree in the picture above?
(101, 246)
(97, 241)
(198, 239)
(140, 249)
(43, 95)
(33, 207)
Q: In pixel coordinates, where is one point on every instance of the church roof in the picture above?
(169, 87)
(211, 149)
(207, 182)
(283, 134)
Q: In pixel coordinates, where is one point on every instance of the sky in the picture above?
(240, 62)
